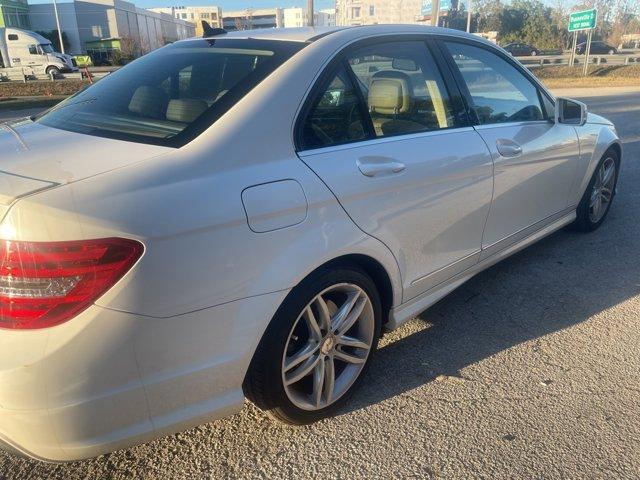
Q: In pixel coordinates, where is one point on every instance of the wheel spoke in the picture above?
(605, 193)
(318, 382)
(595, 204)
(351, 342)
(348, 313)
(300, 356)
(312, 323)
(323, 312)
(329, 379)
(347, 357)
(607, 174)
(303, 370)
(601, 176)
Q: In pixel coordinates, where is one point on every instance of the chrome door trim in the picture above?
(444, 273)
(381, 140)
(409, 309)
(515, 237)
(488, 126)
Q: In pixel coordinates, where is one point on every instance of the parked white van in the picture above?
(22, 48)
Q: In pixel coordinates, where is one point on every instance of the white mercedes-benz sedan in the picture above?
(242, 215)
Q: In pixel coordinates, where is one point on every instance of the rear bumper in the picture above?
(108, 380)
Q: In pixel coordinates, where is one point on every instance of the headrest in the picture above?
(185, 110)
(149, 102)
(390, 93)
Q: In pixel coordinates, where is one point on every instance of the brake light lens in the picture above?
(43, 284)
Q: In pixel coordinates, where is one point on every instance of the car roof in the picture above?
(310, 34)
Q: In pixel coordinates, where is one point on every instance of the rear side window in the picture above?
(13, 36)
(172, 94)
(336, 116)
(402, 88)
(499, 92)
(382, 90)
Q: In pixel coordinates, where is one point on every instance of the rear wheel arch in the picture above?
(367, 264)
(375, 270)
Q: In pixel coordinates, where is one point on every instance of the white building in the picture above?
(371, 12)
(210, 13)
(298, 17)
(251, 18)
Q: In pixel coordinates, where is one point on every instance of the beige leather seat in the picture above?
(390, 103)
(148, 101)
(185, 110)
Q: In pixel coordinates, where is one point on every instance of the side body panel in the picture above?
(533, 185)
(431, 214)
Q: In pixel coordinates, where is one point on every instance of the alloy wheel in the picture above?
(328, 346)
(602, 191)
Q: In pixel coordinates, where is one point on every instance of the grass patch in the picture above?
(598, 76)
(44, 88)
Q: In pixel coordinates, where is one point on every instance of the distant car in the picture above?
(599, 48)
(521, 50)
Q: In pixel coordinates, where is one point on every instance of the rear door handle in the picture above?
(508, 148)
(379, 166)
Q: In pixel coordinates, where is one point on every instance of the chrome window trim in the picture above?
(381, 140)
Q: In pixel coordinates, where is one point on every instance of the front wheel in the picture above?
(317, 347)
(53, 70)
(597, 199)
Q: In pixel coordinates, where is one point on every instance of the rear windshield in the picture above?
(171, 95)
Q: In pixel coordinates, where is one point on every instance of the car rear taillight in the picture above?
(43, 284)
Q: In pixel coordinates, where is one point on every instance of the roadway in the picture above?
(529, 370)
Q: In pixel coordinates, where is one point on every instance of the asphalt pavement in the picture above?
(529, 370)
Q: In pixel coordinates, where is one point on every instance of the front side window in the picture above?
(47, 48)
(402, 87)
(171, 95)
(499, 92)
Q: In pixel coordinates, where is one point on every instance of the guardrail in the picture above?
(565, 59)
(28, 74)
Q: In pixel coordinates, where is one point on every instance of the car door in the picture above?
(536, 160)
(391, 139)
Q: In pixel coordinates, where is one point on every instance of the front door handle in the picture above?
(379, 166)
(508, 148)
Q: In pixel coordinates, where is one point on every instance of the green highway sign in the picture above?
(584, 20)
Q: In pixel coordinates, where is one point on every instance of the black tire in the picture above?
(583, 222)
(263, 383)
(53, 70)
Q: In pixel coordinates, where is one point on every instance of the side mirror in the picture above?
(570, 112)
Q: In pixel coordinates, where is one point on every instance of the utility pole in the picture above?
(469, 16)
(435, 12)
(587, 52)
(310, 19)
(55, 9)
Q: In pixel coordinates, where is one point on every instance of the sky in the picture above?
(224, 4)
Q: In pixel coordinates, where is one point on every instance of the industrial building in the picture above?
(101, 27)
(14, 13)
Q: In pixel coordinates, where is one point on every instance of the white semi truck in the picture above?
(28, 51)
